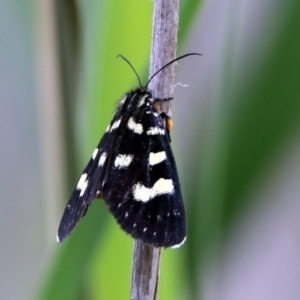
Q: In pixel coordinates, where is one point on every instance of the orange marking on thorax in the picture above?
(169, 121)
(169, 124)
(157, 107)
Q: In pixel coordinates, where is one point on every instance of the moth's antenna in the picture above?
(120, 55)
(169, 63)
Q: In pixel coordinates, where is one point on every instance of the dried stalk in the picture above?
(146, 258)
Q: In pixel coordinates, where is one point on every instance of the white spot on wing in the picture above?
(176, 213)
(122, 101)
(144, 194)
(57, 239)
(102, 159)
(81, 181)
(123, 161)
(142, 101)
(141, 193)
(135, 127)
(82, 184)
(163, 186)
(108, 128)
(95, 153)
(155, 131)
(83, 188)
(180, 244)
(115, 125)
(156, 158)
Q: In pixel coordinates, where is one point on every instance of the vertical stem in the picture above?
(145, 271)
(164, 44)
(146, 258)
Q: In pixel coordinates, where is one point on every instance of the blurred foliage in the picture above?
(257, 114)
(251, 122)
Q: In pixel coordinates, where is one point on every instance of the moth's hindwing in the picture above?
(90, 183)
(138, 180)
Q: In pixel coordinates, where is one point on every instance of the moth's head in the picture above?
(135, 99)
(143, 91)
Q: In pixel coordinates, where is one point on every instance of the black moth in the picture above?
(134, 170)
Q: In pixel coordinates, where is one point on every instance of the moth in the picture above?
(134, 171)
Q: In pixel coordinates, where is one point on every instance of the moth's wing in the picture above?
(143, 190)
(91, 182)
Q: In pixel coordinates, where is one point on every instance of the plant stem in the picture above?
(145, 271)
(164, 44)
(146, 258)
